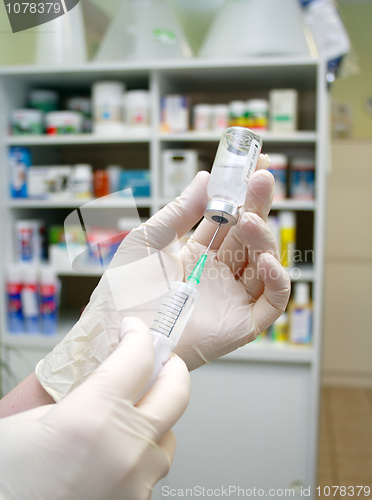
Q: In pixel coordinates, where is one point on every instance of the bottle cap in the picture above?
(287, 219)
(302, 293)
(30, 275)
(282, 320)
(47, 275)
(222, 212)
(15, 274)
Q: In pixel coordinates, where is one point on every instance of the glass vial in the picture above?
(236, 159)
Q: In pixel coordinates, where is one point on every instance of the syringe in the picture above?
(173, 315)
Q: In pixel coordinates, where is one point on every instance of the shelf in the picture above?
(117, 202)
(144, 66)
(259, 350)
(271, 352)
(71, 139)
(294, 205)
(277, 205)
(38, 340)
(194, 136)
(303, 272)
(88, 271)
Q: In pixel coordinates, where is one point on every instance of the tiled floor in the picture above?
(345, 448)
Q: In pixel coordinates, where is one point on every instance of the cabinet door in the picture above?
(246, 425)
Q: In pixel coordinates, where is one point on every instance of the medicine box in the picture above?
(179, 167)
(49, 182)
(19, 164)
(137, 180)
(283, 110)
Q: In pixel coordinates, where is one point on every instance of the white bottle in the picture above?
(300, 315)
(30, 300)
(82, 181)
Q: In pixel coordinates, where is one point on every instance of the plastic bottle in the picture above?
(107, 99)
(28, 245)
(279, 331)
(278, 167)
(114, 175)
(257, 114)
(237, 114)
(300, 315)
(302, 178)
(202, 117)
(287, 237)
(82, 181)
(236, 159)
(30, 300)
(101, 183)
(220, 117)
(137, 104)
(19, 163)
(48, 300)
(14, 284)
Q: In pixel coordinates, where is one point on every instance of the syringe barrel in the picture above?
(175, 311)
(169, 324)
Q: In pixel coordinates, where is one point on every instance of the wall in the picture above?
(15, 48)
(347, 345)
(356, 89)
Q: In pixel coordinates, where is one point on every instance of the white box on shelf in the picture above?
(283, 110)
(49, 182)
(179, 167)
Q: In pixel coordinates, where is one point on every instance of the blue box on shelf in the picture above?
(19, 161)
(137, 180)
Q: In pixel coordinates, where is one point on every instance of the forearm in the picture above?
(25, 396)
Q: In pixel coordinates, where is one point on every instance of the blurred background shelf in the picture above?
(195, 136)
(271, 352)
(72, 139)
(112, 202)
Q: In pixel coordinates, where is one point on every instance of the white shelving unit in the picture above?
(250, 380)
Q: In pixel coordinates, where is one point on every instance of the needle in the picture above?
(212, 240)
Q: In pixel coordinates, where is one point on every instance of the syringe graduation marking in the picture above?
(169, 317)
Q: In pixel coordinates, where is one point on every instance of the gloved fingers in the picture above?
(258, 239)
(277, 286)
(245, 242)
(260, 194)
(263, 162)
(168, 398)
(127, 370)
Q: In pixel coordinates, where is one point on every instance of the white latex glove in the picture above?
(243, 290)
(95, 444)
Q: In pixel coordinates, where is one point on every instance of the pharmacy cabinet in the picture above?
(253, 415)
(246, 426)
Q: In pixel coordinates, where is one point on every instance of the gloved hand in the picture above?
(243, 289)
(95, 444)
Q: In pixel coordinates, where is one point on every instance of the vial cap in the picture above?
(302, 293)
